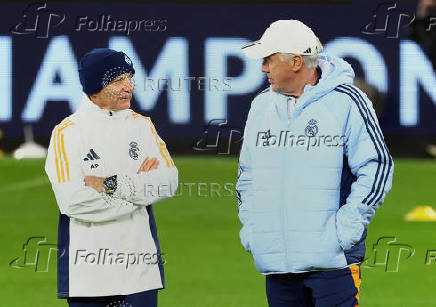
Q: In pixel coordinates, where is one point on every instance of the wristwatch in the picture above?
(110, 185)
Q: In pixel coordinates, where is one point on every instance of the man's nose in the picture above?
(128, 85)
(265, 67)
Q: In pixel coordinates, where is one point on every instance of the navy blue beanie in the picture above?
(100, 66)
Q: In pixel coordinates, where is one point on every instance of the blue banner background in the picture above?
(201, 40)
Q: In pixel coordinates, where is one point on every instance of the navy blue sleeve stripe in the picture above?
(375, 199)
(387, 158)
(238, 192)
(372, 136)
(238, 195)
(376, 188)
(374, 132)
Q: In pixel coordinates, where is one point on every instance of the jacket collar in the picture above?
(280, 100)
(94, 111)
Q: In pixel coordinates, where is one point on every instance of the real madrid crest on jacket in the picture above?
(311, 128)
(133, 151)
(109, 243)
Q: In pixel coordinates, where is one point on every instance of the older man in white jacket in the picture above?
(107, 165)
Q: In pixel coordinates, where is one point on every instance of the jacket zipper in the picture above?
(283, 207)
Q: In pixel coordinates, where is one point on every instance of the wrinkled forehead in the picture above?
(122, 77)
(114, 73)
(272, 56)
(117, 84)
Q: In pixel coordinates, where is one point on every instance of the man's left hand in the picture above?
(148, 165)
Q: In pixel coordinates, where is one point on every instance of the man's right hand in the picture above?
(148, 165)
(94, 182)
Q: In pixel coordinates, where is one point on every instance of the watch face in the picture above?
(110, 183)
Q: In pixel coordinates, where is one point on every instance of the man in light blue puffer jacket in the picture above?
(313, 169)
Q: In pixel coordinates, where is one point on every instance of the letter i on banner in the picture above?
(5, 78)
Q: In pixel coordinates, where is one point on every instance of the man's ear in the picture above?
(297, 62)
(93, 97)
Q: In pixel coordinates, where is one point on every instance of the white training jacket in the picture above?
(108, 245)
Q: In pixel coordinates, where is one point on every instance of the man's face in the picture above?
(117, 94)
(280, 73)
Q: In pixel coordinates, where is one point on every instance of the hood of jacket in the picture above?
(334, 71)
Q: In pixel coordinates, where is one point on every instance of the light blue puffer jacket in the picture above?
(308, 186)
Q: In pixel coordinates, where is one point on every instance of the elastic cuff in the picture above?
(125, 187)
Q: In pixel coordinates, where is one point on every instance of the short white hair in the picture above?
(310, 61)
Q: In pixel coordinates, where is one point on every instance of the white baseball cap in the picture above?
(285, 36)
